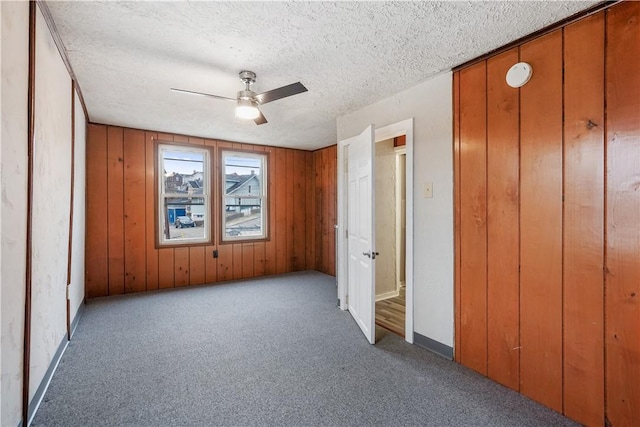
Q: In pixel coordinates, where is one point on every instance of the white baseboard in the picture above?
(387, 295)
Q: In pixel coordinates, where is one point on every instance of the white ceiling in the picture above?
(126, 56)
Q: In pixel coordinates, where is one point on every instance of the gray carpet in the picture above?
(274, 351)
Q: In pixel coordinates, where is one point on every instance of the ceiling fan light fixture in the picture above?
(247, 109)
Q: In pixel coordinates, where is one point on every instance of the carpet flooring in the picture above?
(274, 351)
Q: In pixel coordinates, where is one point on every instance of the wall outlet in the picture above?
(428, 190)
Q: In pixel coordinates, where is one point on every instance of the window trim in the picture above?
(266, 235)
(208, 177)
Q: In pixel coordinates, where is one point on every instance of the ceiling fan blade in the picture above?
(260, 120)
(190, 92)
(281, 92)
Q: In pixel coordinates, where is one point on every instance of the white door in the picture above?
(360, 232)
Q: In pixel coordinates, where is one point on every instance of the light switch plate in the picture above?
(428, 190)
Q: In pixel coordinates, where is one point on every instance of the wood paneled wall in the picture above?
(121, 255)
(325, 162)
(547, 225)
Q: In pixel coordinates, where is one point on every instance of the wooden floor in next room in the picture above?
(390, 313)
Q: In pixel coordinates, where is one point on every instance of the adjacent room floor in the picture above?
(390, 313)
(271, 351)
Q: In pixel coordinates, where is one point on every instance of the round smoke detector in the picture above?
(519, 74)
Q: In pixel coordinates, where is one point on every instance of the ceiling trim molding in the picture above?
(571, 19)
(48, 18)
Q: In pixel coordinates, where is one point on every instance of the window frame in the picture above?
(264, 206)
(160, 195)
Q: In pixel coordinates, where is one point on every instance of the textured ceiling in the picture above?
(126, 56)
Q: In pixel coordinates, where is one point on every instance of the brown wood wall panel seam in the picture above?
(583, 287)
(541, 223)
(134, 192)
(623, 215)
(473, 327)
(456, 218)
(115, 206)
(503, 155)
(151, 252)
(310, 198)
(96, 226)
(289, 185)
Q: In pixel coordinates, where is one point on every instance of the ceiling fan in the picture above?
(247, 100)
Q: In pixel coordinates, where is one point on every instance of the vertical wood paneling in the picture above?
(96, 248)
(322, 170)
(115, 208)
(123, 162)
(259, 262)
(541, 222)
(270, 245)
(473, 231)
(248, 260)
(583, 283)
(623, 215)
(280, 231)
(579, 239)
(210, 265)
(134, 211)
(237, 268)
(181, 266)
(320, 224)
(166, 273)
(326, 209)
(225, 262)
(456, 214)
(150, 213)
(289, 195)
(503, 261)
(310, 220)
(299, 206)
(196, 265)
(333, 186)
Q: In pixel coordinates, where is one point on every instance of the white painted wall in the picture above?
(76, 292)
(430, 104)
(15, 66)
(51, 200)
(385, 179)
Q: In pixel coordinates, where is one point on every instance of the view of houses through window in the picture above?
(184, 201)
(244, 196)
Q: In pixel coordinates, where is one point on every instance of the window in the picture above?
(184, 202)
(244, 196)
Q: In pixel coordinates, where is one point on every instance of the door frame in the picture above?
(404, 127)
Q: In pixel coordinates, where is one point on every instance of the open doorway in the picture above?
(356, 242)
(390, 234)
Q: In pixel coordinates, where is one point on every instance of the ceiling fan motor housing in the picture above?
(246, 94)
(247, 77)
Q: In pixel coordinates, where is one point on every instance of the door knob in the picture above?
(367, 254)
(371, 255)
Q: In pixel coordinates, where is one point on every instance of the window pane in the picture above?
(243, 175)
(184, 203)
(183, 219)
(183, 171)
(243, 200)
(243, 217)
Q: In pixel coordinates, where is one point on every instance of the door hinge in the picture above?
(68, 298)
